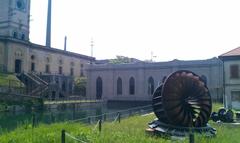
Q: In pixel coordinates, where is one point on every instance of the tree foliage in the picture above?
(120, 60)
(80, 85)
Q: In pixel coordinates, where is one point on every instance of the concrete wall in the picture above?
(141, 72)
(2, 53)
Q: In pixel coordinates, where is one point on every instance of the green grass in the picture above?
(6, 79)
(131, 130)
(216, 107)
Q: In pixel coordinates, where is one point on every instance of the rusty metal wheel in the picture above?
(157, 105)
(183, 100)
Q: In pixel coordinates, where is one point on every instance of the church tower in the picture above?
(14, 19)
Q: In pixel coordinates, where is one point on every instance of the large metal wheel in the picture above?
(183, 100)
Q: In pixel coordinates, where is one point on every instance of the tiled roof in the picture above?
(234, 52)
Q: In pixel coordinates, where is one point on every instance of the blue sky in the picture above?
(170, 29)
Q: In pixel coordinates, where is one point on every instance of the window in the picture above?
(15, 34)
(235, 99)
(81, 70)
(119, 86)
(234, 71)
(32, 57)
(131, 86)
(32, 66)
(71, 71)
(64, 86)
(60, 70)
(99, 88)
(18, 66)
(47, 69)
(23, 36)
(150, 86)
(81, 73)
(60, 61)
(47, 59)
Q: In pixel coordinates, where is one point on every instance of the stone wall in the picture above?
(41, 56)
(141, 72)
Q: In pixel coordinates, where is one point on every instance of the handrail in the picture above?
(26, 74)
(38, 78)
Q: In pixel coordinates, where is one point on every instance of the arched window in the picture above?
(119, 86)
(150, 86)
(131, 86)
(23, 36)
(64, 86)
(99, 88)
(72, 71)
(15, 34)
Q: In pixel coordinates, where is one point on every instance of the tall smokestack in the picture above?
(65, 43)
(49, 15)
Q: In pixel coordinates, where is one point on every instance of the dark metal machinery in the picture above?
(182, 104)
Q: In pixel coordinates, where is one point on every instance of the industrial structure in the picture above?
(50, 72)
(43, 69)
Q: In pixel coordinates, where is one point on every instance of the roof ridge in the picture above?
(229, 51)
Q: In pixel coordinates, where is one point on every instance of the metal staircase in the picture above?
(34, 84)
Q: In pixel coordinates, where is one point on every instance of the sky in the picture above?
(160, 30)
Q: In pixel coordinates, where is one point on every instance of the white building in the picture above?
(231, 63)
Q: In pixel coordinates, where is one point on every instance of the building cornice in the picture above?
(158, 65)
(229, 58)
(30, 45)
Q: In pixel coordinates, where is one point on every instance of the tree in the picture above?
(121, 60)
(80, 84)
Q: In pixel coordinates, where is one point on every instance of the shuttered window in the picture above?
(234, 71)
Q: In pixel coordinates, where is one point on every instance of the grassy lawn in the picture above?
(130, 130)
(6, 79)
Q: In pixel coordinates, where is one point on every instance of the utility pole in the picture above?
(65, 43)
(92, 44)
(152, 56)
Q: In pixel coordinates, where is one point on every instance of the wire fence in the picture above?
(64, 134)
(98, 125)
(111, 116)
(98, 120)
(115, 117)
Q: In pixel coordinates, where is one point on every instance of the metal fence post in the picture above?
(33, 120)
(9, 86)
(89, 120)
(119, 117)
(63, 136)
(100, 125)
(191, 138)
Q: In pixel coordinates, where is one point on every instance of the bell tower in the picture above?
(14, 19)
